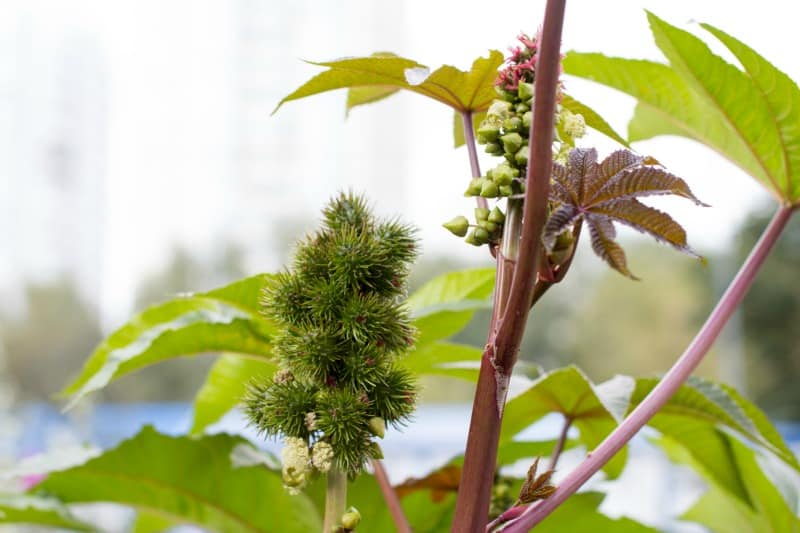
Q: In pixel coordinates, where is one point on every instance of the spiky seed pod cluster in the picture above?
(505, 132)
(342, 327)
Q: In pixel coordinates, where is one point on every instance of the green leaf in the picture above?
(38, 511)
(667, 105)
(782, 96)
(732, 93)
(357, 96)
(458, 126)
(701, 405)
(187, 480)
(151, 522)
(569, 392)
(224, 387)
(225, 319)
(444, 305)
(579, 514)
(592, 118)
(443, 358)
(463, 91)
(725, 511)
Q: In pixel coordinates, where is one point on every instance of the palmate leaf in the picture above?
(226, 319)
(760, 508)
(188, 480)
(750, 117)
(569, 392)
(604, 193)
(39, 511)
(463, 91)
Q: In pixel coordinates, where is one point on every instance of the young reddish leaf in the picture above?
(440, 482)
(604, 193)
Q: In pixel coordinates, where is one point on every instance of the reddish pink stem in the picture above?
(671, 382)
(390, 496)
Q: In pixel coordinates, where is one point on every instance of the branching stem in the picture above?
(472, 149)
(507, 326)
(562, 439)
(671, 382)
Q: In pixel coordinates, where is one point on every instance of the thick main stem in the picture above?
(391, 499)
(335, 498)
(511, 307)
(671, 382)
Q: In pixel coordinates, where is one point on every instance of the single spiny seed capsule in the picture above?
(494, 148)
(512, 124)
(458, 226)
(506, 190)
(481, 235)
(503, 174)
(521, 157)
(496, 216)
(525, 91)
(351, 518)
(474, 188)
(377, 426)
(489, 189)
(481, 213)
(511, 142)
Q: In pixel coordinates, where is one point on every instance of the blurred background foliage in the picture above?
(597, 319)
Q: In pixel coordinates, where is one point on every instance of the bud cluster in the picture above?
(505, 133)
(341, 328)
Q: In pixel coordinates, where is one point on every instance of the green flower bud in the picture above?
(494, 148)
(351, 518)
(506, 190)
(521, 108)
(458, 226)
(511, 142)
(527, 118)
(525, 91)
(503, 174)
(377, 425)
(474, 188)
(471, 239)
(499, 110)
(481, 235)
(522, 186)
(496, 216)
(512, 124)
(491, 227)
(481, 213)
(487, 132)
(521, 157)
(489, 189)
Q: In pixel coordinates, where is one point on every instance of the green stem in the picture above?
(335, 498)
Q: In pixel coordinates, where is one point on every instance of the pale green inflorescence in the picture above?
(505, 132)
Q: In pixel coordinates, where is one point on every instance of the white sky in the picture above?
(170, 108)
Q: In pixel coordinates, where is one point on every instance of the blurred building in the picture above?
(53, 96)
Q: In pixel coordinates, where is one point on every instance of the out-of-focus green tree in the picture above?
(49, 340)
(770, 320)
